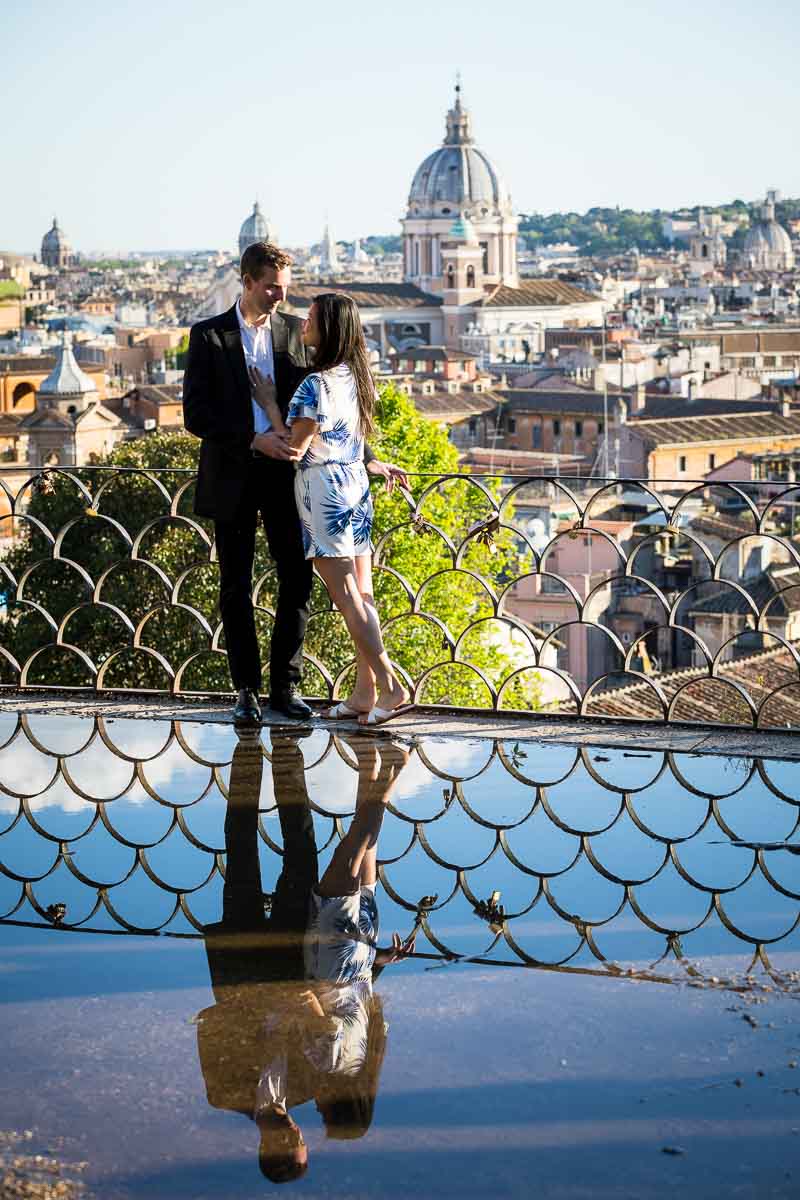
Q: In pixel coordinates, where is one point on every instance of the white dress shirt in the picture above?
(257, 346)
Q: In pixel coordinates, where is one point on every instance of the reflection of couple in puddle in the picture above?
(295, 1017)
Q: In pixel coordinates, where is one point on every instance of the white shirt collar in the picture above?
(244, 324)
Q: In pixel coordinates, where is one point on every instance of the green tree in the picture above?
(134, 570)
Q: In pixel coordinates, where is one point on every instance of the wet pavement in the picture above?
(594, 990)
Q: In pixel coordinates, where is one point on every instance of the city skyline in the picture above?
(171, 157)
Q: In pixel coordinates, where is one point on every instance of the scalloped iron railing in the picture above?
(524, 853)
(627, 600)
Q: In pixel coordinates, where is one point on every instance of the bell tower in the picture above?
(462, 277)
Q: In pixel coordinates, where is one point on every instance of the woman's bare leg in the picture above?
(364, 693)
(354, 861)
(339, 577)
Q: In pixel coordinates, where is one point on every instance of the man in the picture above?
(236, 483)
(256, 961)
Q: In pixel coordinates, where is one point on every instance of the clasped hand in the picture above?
(274, 445)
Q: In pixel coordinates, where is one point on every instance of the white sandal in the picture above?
(342, 712)
(380, 716)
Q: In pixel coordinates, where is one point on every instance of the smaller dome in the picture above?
(767, 243)
(56, 250)
(54, 238)
(462, 230)
(255, 228)
(66, 378)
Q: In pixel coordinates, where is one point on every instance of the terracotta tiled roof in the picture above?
(366, 295)
(534, 292)
(434, 354)
(443, 405)
(760, 674)
(659, 406)
(580, 403)
(39, 364)
(688, 430)
(549, 381)
(162, 393)
(726, 527)
(779, 584)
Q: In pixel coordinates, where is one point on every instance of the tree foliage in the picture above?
(124, 570)
(604, 231)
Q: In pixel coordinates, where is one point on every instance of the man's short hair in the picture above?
(261, 255)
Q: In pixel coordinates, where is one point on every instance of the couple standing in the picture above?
(285, 439)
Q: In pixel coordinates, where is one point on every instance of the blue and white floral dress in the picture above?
(340, 947)
(331, 486)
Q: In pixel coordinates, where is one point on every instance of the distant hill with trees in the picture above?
(613, 230)
(617, 230)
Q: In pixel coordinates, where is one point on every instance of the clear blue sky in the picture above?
(155, 124)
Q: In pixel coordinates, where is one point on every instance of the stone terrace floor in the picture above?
(432, 722)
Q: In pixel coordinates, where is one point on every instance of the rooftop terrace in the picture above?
(601, 991)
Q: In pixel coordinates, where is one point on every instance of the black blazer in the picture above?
(217, 406)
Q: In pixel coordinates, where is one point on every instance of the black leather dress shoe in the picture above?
(247, 710)
(289, 702)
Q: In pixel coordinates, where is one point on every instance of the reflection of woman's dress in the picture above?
(339, 950)
(340, 947)
(331, 485)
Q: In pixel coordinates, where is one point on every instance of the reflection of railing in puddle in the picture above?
(116, 827)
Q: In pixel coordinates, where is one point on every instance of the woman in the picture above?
(333, 1033)
(329, 417)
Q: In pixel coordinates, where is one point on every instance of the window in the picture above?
(600, 427)
(451, 276)
(473, 427)
(546, 626)
(556, 428)
(681, 463)
(769, 360)
(470, 277)
(579, 429)
(552, 586)
(712, 461)
(537, 436)
(511, 425)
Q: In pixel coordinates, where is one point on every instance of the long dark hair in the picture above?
(342, 341)
(347, 1102)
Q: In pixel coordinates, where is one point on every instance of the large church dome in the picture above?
(767, 245)
(458, 176)
(255, 228)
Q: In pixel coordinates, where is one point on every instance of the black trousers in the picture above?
(246, 947)
(269, 492)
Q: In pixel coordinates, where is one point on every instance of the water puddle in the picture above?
(380, 967)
